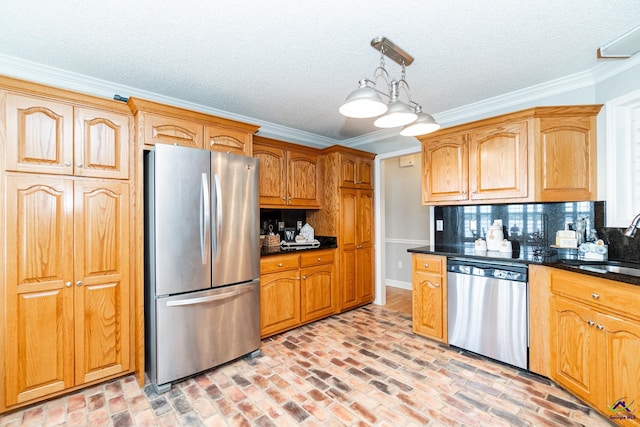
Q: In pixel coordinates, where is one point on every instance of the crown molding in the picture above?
(516, 98)
(608, 68)
(44, 74)
(51, 76)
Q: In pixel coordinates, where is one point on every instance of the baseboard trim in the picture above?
(398, 284)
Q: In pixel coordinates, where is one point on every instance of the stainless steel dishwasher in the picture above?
(488, 309)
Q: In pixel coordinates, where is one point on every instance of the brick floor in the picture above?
(364, 367)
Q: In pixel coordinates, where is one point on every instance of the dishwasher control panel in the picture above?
(498, 270)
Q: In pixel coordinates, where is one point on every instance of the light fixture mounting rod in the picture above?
(392, 51)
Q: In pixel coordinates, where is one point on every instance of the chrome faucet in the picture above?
(631, 230)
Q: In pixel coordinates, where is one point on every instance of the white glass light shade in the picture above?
(424, 125)
(363, 103)
(398, 114)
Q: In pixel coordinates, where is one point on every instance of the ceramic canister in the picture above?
(494, 237)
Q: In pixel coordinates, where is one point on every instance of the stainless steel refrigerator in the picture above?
(202, 261)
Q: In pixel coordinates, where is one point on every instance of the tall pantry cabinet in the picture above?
(66, 222)
(347, 213)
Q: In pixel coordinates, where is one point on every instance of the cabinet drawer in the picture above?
(602, 293)
(279, 263)
(310, 259)
(428, 263)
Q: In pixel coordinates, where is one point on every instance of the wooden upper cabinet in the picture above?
(542, 154)
(273, 174)
(289, 174)
(54, 137)
(165, 124)
(160, 129)
(102, 146)
(302, 179)
(445, 170)
(498, 162)
(228, 140)
(39, 135)
(355, 171)
(567, 145)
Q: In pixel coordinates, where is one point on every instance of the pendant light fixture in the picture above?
(367, 101)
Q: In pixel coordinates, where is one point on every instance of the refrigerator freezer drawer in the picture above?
(201, 330)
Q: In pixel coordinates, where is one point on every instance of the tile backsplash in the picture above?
(532, 226)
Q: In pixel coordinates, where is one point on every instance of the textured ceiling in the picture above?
(292, 63)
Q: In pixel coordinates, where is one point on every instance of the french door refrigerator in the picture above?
(202, 261)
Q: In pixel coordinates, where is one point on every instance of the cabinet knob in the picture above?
(590, 322)
(595, 296)
(426, 265)
(79, 283)
(304, 277)
(79, 165)
(67, 163)
(319, 259)
(284, 198)
(298, 278)
(474, 191)
(279, 264)
(599, 327)
(68, 284)
(464, 191)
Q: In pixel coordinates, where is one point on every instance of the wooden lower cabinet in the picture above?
(595, 341)
(296, 289)
(66, 284)
(430, 296)
(318, 292)
(279, 301)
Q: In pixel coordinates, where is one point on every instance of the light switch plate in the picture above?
(439, 225)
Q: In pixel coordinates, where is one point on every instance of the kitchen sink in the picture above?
(604, 268)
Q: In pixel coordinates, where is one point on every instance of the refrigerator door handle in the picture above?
(205, 219)
(202, 300)
(218, 215)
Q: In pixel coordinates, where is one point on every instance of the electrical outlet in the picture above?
(299, 225)
(439, 225)
(473, 225)
(399, 264)
(280, 225)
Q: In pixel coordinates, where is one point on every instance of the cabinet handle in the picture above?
(595, 296)
(79, 283)
(433, 285)
(590, 322)
(279, 264)
(68, 284)
(599, 327)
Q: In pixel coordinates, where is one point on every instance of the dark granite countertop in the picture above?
(326, 242)
(531, 257)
